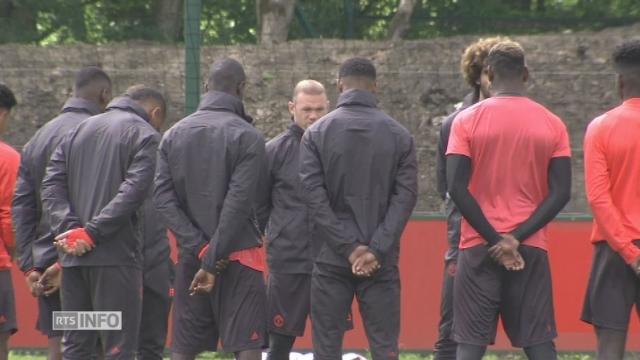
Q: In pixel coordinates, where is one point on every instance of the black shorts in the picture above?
(332, 291)
(484, 290)
(234, 312)
(8, 321)
(612, 291)
(288, 303)
(46, 306)
(102, 288)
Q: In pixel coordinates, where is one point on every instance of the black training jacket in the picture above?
(34, 238)
(98, 178)
(359, 175)
(209, 169)
(289, 227)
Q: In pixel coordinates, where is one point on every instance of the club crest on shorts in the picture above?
(278, 321)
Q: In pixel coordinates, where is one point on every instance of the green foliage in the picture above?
(235, 21)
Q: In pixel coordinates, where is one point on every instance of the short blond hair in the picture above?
(474, 56)
(309, 87)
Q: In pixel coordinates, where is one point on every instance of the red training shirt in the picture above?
(510, 141)
(612, 177)
(9, 163)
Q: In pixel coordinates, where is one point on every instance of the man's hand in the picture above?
(357, 252)
(221, 265)
(506, 253)
(636, 266)
(32, 283)
(74, 242)
(202, 283)
(365, 265)
(51, 279)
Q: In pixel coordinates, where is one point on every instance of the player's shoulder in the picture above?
(602, 122)
(278, 141)
(8, 154)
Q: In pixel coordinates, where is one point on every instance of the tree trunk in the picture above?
(401, 22)
(169, 19)
(18, 22)
(274, 18)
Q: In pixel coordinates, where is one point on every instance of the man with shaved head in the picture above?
(96, 181)
(209, 169)
(612, 175)
(34, 236)
(359, 179)
(289, 249)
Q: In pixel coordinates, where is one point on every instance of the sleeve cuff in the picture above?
(630, 253)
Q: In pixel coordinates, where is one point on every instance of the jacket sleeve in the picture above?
(25, 213)
(131, 193)
(239, 202)
(598, 186)
(168, 206)
(315, 191)
(55, 192)
(401, 203)
(265, 187)
(441, 161)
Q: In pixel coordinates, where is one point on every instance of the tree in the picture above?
(274, 18)
(401, 22)
(169, 19)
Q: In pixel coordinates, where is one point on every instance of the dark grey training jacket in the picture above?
(359, 174)
(289, 229)
(209, 168)
(34, 238)
(98, 178)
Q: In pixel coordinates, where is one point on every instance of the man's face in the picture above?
(307, 108)
(4, 119)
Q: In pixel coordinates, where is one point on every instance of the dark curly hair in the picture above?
(472, 61)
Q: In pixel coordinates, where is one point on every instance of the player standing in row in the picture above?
(359, 176)
(612, 177)
(506, 208)
(472, 66)
(34, 236)
(209, 169)
(9, 163)
(96, 182)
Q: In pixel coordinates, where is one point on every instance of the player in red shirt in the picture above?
(509, 174)
(612, 177)
(9, 163)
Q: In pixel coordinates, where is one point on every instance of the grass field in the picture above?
(39, 355)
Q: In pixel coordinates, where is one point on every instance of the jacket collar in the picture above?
(296, 130)
(76, 104)
(219, 101)
(126, 104)
(357, 97)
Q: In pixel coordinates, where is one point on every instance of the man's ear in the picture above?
(339, 85)
(490, 73)
(525, 74)
(105, 96)
(620, 85)
(292, 107)
(241, 88)
(374, 86)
